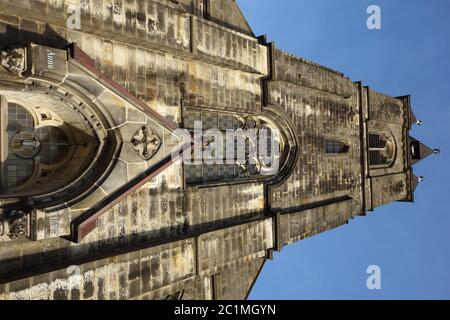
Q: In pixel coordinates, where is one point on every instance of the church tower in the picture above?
(158, 149)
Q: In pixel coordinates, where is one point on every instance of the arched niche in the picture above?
(55, 144)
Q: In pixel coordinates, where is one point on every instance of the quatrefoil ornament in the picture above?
(146, 142)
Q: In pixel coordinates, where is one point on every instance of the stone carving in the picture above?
(14, 59)
(18, 225)
(252, 123)
(251, 168)
(239, 121)
(117, 7)
(257, 161)
(152, 26)
(207, 142)
(146, 142)
(247, 123)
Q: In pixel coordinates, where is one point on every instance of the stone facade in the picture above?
(134, 222)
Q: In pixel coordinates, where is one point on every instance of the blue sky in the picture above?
(409, 55)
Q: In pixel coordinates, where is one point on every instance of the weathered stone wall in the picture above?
(228, 47)
(159, 79)
(233, 254)
(221, 205)
(201, 289)
(235, 282)
(389, 188)
(388, 115)
(322, 105)
(157, 212)
(386, 109)
(318, 116)
(309, 74)
(298, 226)
(226, 247)
(220, 88)
(228, 14)
(148, 24)
(122, 277)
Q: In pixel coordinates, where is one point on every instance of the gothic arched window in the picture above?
(336, 147)
(43, 152)
(381, 150)
(19, 166)
(231, 147)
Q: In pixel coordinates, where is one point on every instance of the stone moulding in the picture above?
(57, 80)
(87, 222)
(88, 64)
(46, 83)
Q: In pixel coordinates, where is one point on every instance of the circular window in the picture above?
(47, 145)
(25, 145)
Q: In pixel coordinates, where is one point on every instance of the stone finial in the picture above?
(13, 59)
(437, 151)
(419, 122)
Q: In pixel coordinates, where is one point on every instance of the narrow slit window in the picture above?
(336, 147)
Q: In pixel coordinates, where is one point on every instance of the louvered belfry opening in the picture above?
(377, 150)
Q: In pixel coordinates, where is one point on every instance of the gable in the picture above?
(236, 282)
(228, 14)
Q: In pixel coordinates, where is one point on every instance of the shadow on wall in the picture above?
(61, 156)
(15, 36)
(63, 253)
